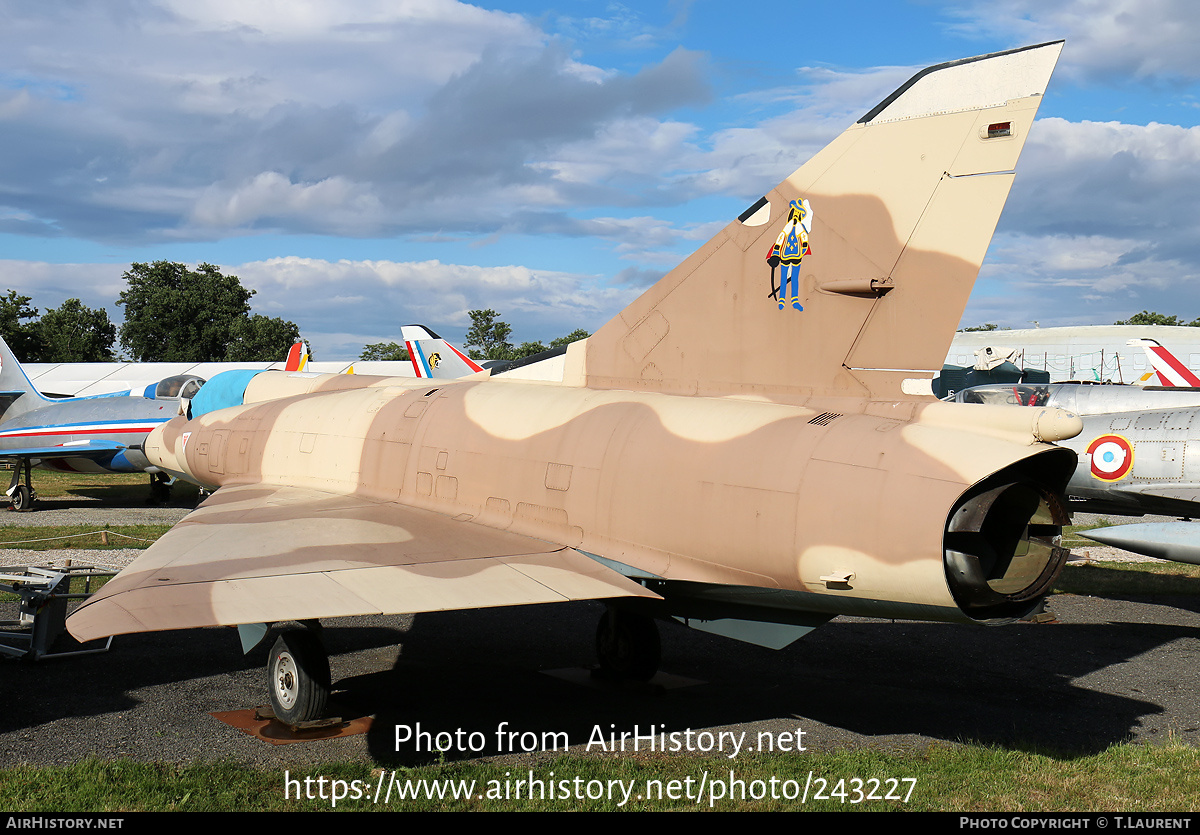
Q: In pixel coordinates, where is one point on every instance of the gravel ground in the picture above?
(73, 511)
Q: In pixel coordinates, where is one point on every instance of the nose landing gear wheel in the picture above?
(298, 677)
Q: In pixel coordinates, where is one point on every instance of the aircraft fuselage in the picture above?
(1138, 462)
(705, 490)
(71, 425)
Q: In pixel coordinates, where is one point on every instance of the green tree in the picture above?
(261, 339)
(526, 349)
(573, 336)
(23, 338)
(987, 327)
(384, 351)
(175, 314)
(487, 338)
(75, 332)
(1147, 317)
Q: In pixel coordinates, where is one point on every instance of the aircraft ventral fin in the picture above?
(259, 553)
(852, 274)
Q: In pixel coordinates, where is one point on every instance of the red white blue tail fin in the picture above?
(434, 357)
(1171, 372)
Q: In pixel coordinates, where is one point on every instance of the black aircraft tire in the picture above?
(627, 645)
(160, 492)
(21, 499)
(298, 677)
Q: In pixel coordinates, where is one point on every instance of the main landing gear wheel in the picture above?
(23, 495)
(627, 645)
(22, 499)
(298, 677)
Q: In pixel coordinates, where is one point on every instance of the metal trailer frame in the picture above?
(45, 595)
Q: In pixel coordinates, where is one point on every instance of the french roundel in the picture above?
(1112, 457)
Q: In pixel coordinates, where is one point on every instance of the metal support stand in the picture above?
(44, 593)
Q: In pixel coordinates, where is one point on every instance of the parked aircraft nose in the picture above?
(164, 449)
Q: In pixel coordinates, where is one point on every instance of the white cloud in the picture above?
(1065, 280)
(373, 298)
(1101, 223)
(1129, 182)
(360, 118)
(354, 20)
(49, 285)
(1142, 39)
(332, 203)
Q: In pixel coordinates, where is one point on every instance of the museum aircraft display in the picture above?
(1097, 353)
(435, 358)
(750, 447)
(80, 434)
(1133, 449)
(97, 433)
(139, 379)
(1139, 462)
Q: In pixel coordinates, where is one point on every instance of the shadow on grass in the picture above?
(1133, 580)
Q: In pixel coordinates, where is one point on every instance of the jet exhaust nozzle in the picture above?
(1001, 545)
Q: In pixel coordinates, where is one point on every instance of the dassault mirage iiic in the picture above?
(750, 447)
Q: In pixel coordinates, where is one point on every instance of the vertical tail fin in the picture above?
(851, 275)
(1171, 372)
(17, 394)
(297, 357)
(434, 357)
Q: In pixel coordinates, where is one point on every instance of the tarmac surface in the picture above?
(1107, 671)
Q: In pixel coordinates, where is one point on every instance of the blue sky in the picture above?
(369, 163)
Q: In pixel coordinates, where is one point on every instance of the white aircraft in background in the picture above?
(86, 379)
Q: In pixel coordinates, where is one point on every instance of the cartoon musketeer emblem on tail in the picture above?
(786, 253)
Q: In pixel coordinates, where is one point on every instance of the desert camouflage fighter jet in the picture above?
(749, 447)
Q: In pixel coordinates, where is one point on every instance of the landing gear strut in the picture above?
(627, 645)
(298, 676)
(160, 488)
(23, 495)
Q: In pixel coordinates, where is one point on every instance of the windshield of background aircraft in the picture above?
(1006, 394)
(181, 385)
